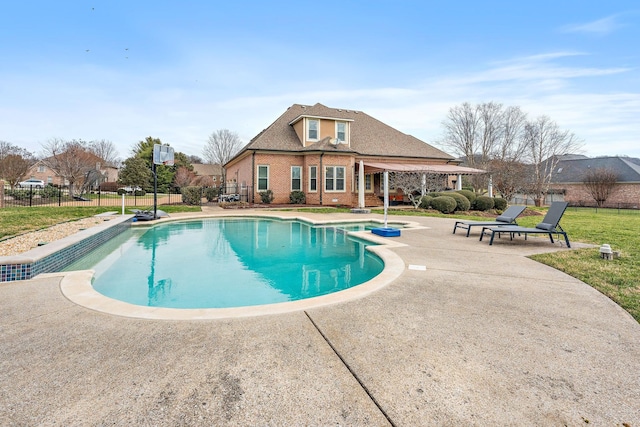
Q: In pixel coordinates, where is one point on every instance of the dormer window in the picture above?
(313, 129)
(341, 131)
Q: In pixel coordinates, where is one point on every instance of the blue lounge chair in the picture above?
(508, 217)
(550, 225)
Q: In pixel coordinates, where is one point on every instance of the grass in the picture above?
(15, 221)
(618, 279)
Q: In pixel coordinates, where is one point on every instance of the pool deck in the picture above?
(471, 334)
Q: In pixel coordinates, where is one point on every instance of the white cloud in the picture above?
(599, 27)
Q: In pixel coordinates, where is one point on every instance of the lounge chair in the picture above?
(508, 217)
(550, 225)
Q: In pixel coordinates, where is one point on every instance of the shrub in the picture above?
(435, 194)
(499, 203)
(444, 204)
(121, 191)
(468, 194)
(50, 191)
(425, 202)
(483, 203)
(266, 196)
(139, 193)
(211, 193)
(462, 203)
(191, 195)
(297, 198)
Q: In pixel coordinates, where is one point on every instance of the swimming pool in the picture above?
(229, 262)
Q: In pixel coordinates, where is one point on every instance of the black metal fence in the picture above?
(129, 196)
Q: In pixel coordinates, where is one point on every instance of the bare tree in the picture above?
(545, 142)
(183, 177)
(73, 161)
(460, 131)
(105, 150)
(415, 184)
(600, 184)
(15, 163)
(509, 176)
(511, 146)
(221, 146)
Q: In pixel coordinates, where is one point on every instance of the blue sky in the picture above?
(125, 70)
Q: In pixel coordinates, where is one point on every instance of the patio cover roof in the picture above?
(412, 167)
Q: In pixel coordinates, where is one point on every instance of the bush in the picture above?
(211, 193)
(297, 198)
(121, 191)
(444, 204)
(266, 196)
(50, 191)
(435, 194)
(468, 194)
(191, 195)
(139, 193)
(425, 202)
(500, 203)
(483, 203)
(462, 203)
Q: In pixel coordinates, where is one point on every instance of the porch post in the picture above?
(490, 189)
(361, 185)
(386, 196)
(459, 182)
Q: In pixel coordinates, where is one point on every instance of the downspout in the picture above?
(253, 177)
(321, 177)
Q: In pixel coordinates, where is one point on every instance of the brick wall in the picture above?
(627, 195)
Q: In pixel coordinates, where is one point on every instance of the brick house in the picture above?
(212, 172)
(568, 176)
(40, 170)
(324, 152)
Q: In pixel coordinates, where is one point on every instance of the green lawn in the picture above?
(619, 279)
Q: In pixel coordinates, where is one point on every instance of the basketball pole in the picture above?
(155, 192)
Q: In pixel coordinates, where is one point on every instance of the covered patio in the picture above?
(381, 187)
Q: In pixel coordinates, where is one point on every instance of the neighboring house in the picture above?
(325, 152)
(569, 173)
(206, 170)
(40, 170)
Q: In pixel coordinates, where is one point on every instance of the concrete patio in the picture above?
(482, 336)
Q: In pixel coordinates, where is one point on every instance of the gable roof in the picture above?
(573, 170)
(368, 136)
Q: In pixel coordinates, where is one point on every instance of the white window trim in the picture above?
(346, 131)
(291, 178)
(335, 179)
(316, 178)
(308, 128)
(258, 177)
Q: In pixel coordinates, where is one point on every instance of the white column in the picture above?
(459, 183)
(361, 185)
(386, 196)
(490, 189)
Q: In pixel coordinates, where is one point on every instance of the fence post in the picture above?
(1, 194)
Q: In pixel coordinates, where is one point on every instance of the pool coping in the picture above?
(76, 285)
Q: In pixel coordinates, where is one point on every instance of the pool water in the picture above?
(217, 263)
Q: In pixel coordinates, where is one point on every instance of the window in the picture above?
(313, 127)
(334, 178)
(313, 178)
(263, 178)
(368, 180)
(41, 168)
(341, 131)
(296, 178)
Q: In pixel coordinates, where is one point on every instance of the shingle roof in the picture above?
(368, 136)
(573, 170)
(206, 169)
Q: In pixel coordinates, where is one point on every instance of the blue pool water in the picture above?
(216, 263)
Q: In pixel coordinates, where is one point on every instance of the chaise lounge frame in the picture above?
(508, 217)
(550, 225)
